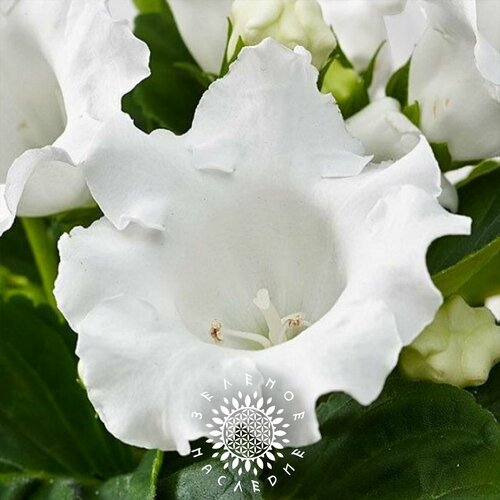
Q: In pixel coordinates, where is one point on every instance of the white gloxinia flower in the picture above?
(459, 347)
(455, 77)
(291, 22)
(260, 241)
(65, 66)
(388, 134)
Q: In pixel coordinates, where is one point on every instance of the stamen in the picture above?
(279, 329)
(293, 324)
(216, 332)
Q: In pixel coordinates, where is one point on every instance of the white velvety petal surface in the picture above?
(459, 100)
(245, 219)
(65, 66)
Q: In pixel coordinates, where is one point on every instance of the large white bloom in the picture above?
(65, 65)
(260, 241)
(455, 76)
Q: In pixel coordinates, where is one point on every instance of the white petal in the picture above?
(243, 124)
(459, 106)
(141, 174)
(41, 179)
(449, 196)
(400, 199)
(360, 30)
(384, 131)
(260, 125)
(84, 63)
(404, 30)
(203, 26)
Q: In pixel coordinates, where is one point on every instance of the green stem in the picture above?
(44, 251)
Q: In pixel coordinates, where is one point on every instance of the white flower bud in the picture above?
(290, 22)
(459, 347)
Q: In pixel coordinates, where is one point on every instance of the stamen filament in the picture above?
(254, 337)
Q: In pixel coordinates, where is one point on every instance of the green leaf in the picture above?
(46, 422)
(483, 168)
(412, 112)
(418, 440)
(38, 486)
(168, 98)
(367, 74)
(139, 485)
(14, 284)
(442, 154)
(488, 394)
(397, 86)
(474, 271)
(453, 260)
(194, 482)
(16, 255)
(149, 6)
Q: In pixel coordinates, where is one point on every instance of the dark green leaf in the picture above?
(168, 98)
(15, 253)
(46, 422)
(397, 86)
(480, 200)
(14, 284)
(417, 441)
(483, 168)
(194, 482)
(139, 485)
(488, 394)
(33, 486)
(475, 277)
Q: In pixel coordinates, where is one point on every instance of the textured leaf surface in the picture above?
(418, 440)
(46, 421)
(480, 200)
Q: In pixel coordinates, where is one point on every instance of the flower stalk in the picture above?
(45, 254)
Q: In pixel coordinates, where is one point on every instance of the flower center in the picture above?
(280, 329)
